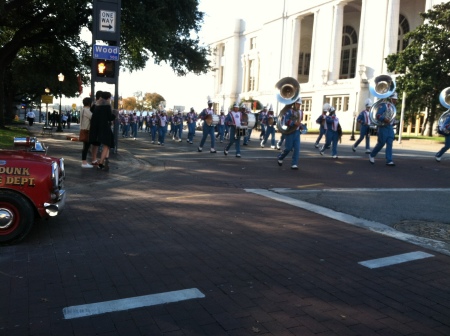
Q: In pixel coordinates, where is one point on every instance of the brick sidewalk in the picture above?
(158, 224)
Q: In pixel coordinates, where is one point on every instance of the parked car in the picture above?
(31, 188)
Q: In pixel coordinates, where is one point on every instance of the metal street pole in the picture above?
(354, 117)
(61, 79)
(353, 129)
(402, 115)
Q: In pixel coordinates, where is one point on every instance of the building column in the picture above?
(390, 46)
(336, 42)
(244, 73)
(258, 69)
(296, 33)
(361, 37)
(317, 72)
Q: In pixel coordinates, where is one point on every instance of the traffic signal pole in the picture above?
(105, 56)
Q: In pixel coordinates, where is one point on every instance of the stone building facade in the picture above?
(333, 48)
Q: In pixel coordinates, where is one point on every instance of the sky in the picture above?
(190, 90)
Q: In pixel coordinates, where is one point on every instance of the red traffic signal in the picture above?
(106, 68)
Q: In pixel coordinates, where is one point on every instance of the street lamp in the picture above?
(47, 91)
(61, 79)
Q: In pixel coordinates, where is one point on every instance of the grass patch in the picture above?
(8, 134)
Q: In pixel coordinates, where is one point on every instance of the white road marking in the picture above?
(396, 259)
(289, 190)
(131, 303)
(383, 229)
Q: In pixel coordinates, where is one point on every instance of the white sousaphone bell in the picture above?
(444, 99)
(288, 92)
(382, 87)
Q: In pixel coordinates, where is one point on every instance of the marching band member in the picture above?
(179, 126)
(385, 134)
(172, 124)
(262, 115)
(332, 134)
(444, 130)
(233, 119)
(221, 125)
(248, 132)
(191, 120)
(134, 125)
(125, 125)
(147, 122)
(227, 128)
(364, 119)
(162, 127)
(269, 124)
(292, 118)
(208, 128)
(153, 126)
(140, 121)
(322, 124)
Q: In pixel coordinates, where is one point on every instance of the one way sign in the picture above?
(107, 21)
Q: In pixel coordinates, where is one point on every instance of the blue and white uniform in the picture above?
(153, 126)
(364, 133)
(233, 120)
(191, 120)
(207, 129)
(322, 127)
(385, 134)
(134, 125)
(332, 134)
(269, 128)
(162, 128)
(221, 126)
(446, 129)
(292, 117)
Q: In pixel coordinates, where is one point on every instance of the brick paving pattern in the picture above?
(170, 219)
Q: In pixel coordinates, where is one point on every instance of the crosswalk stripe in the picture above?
(396, 259)
(131, 303)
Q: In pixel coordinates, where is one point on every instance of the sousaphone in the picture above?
(288, 92)
(444, 99)
(382, 87)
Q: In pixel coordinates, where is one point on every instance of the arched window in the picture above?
(403, 29)
(348, 53)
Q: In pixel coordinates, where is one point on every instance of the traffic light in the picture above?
(106, 68)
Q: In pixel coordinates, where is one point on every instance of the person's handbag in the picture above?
(84, 135)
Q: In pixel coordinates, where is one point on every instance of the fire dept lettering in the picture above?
(16, 180)
(15, 171)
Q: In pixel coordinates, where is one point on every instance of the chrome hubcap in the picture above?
(6, 219)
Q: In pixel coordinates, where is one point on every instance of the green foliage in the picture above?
(41, 38)
(425, 63)
(152, 101)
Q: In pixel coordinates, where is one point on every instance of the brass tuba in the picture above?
(444, 99)
(289, 92)
(382, 87)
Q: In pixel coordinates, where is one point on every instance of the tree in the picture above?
(152, 100)
(129, 104)
(425, 63)
(165, 30)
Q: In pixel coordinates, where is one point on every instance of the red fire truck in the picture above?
(31, 188)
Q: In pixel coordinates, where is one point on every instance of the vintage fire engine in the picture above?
(31, 188)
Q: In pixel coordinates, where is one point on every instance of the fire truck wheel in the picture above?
(16, 217)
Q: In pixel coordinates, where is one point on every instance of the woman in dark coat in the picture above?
(100, 131)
